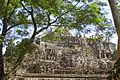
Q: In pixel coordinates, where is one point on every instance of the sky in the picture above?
(109, 15)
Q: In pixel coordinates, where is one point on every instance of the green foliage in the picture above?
(22, 33)
(15, 53)
(2, 5)
(60, 12)
(56, 34)
(1, 39)
(95, 38)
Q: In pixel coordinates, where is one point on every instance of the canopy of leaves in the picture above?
(54, 12)
(38, 15)
(56, 34)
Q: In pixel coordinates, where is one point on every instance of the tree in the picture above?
(115, 72)
(116, 22)
(19, 16)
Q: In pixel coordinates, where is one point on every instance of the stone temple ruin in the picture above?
(70, 55)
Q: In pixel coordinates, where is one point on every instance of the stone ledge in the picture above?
(37, 75)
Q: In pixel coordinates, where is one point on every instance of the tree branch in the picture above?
(34, 23)
(15, 25)
(33, 20)
(55, 20)
(12, 13)
(5, 20)
(17, 63)
(25, 7)
(48, 24)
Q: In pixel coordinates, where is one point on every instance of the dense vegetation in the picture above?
(23, 20)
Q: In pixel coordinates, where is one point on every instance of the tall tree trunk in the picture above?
(4, 31)
(1, 64)
(116, 19)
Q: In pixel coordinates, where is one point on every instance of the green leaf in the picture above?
(19, 31)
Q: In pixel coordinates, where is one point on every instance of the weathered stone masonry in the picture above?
(70, 55)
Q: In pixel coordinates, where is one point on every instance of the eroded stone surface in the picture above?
(71, 55)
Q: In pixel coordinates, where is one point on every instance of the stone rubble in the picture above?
(70, 55)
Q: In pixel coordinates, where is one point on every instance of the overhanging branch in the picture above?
(34, 23)
(25, 7)
(17, 24)
(49, 23)
(17, 63)
(55, 20)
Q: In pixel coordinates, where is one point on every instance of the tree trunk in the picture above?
(118, 49)
(116, 19)
(4, 31)
(1, 64)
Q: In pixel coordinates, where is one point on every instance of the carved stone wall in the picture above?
(71, 55)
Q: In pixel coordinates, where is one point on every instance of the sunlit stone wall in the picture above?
(71, 55)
